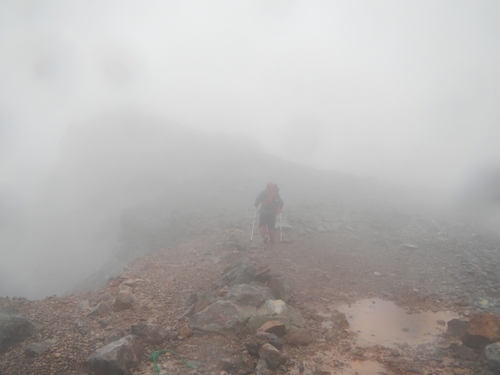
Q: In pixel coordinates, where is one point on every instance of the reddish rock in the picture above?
(298, 336)
(483, 329)
(185, 332)
(274, 326)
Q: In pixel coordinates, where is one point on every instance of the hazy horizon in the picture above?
(400, 92)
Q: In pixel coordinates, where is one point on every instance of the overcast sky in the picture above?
(407, 91)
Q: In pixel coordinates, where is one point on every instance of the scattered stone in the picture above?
(38, 348)
(298, 336)
(150, 333)
(124, 300)
(271, 355)
(118, 357)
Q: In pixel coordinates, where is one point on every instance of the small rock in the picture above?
(274, 326)
(35, 349)
(102, 309)
(185, 332)
(492, 353)
(150, 333)
(272, 356)
(225, 364)
(124, 300)
(298, 336)
(81, 326)
(262, 368)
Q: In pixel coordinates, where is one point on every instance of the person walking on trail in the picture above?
(271, 204)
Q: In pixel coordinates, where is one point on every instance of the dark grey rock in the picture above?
(280, 287)
(248, 295)
(242, 273)
(82, 326)
(262, 368)
(151, 333)
(272, 356)
(117, 357)
(14, 328)
(37, 348)
(492, 353)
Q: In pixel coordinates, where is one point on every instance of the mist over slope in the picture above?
(117, 164)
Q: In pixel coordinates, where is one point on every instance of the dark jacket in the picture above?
(262, 197)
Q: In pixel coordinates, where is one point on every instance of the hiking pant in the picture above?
(267, 219)
(267, 222)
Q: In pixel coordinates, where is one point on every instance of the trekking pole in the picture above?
(253, 224)
(281, 226)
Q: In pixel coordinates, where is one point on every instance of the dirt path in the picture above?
(326, 271)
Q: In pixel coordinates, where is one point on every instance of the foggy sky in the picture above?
(403, 91)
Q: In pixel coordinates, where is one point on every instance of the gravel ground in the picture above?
(421, 263)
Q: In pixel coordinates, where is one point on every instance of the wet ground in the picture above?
(379, 322)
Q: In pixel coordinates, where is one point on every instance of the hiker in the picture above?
(271, 204)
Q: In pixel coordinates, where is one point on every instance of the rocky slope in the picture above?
(332, 255)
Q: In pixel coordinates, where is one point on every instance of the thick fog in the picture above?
(104, 104)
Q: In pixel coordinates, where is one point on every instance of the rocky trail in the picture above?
(203, 299)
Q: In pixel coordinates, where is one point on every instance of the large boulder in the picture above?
(242, 273)
(224, 317)
(117, 357)
(483, 329)
(246, 294)
(14, 328)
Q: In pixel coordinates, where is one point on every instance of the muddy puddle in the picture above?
(379, 322)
